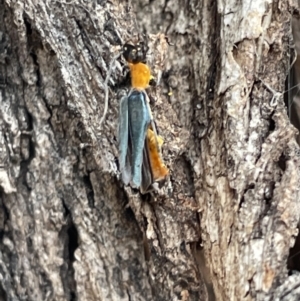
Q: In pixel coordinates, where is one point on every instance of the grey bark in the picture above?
(294, 80)
(221, 228)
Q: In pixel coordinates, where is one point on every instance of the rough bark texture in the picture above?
(246, 162)
(294, 78)
(71, 231)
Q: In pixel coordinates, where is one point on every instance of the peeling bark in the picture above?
(221, 228)
(232, 58)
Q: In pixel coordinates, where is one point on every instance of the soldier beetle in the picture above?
(140, 157)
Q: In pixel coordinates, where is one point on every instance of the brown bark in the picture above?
(246, 162)
(70, 230)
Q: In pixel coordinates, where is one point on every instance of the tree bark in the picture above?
(242, 147)
(223, 225)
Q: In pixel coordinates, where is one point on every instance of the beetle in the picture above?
(140, 157)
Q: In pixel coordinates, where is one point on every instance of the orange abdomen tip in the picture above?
(140, 75)
(158, 168)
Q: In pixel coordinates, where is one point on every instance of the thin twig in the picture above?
(106, 88)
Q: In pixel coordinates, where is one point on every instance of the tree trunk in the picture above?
(223, 225)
